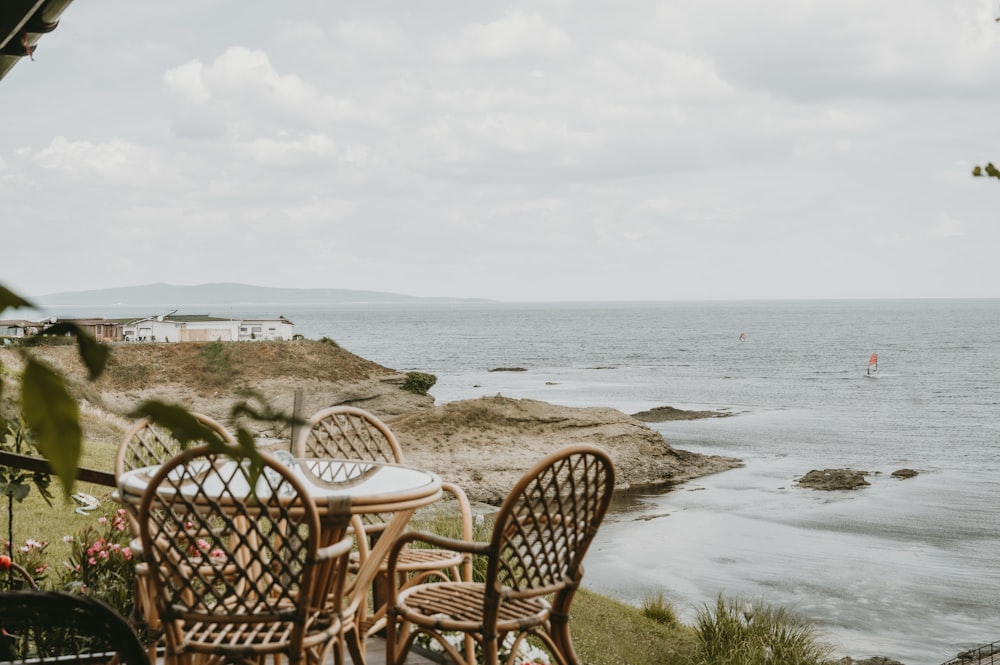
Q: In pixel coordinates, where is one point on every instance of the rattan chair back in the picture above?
(148, 444)
(240, 572)
(347, 432)
(548, 520)
(56, 627)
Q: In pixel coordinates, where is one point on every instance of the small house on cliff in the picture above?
(204, 328)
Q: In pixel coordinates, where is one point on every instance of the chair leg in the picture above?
(356, 646)
(392, 640)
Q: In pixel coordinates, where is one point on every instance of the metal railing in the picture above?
(987, 654)
(38, 464)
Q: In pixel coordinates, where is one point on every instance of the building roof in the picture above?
(22, 23)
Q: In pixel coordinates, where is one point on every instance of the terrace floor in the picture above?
(376, 655)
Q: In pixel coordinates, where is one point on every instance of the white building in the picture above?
(203, 328)
(273, 329)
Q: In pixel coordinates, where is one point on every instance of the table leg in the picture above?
(369, 572)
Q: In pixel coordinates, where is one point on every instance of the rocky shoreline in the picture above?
(483, 444)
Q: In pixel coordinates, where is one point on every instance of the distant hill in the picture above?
(223, 294)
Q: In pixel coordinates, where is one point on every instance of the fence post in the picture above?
(298, 415)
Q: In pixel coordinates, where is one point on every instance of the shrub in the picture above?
(327, 340)
(129, 376)
(45, 340)
(100, 563)
(738, 633)
(32, 557)
(217, 365)
(659, 609)
(419, 382)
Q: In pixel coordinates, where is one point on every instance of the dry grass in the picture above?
(203, 367)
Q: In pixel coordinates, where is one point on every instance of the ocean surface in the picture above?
(908, 569)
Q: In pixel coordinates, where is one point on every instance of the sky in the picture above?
(522, 151)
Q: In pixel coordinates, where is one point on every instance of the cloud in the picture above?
(113, 163)
(369, 36)
(947, 227)
(242, 86)
(516, 35)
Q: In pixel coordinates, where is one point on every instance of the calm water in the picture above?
(907, 569)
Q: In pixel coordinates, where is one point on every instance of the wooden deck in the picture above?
(375, 655)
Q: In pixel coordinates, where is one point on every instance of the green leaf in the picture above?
(10, 299)
(93, 354)
(182, 424)
(42, 481)
(248, 446)
(54, 418)
(19, 491)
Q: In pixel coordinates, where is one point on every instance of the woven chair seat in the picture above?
(459, 606)
(415, 560)
(243, 639)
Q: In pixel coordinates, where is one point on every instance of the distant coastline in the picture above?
(225, 293)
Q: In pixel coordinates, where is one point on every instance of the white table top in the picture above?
(369, 487)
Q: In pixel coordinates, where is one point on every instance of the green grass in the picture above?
(607, 632)
(34, 518)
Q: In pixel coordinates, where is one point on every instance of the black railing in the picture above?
(987, 654)
(38, 464)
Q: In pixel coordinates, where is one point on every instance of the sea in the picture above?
(903, 568)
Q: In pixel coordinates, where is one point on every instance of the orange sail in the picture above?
(873, 360)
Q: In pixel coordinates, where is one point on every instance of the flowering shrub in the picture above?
(199, 547)
(31, 556)
(100, 563)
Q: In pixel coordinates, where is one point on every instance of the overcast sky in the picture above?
(530, 151)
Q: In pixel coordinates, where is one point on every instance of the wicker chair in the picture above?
(146, 444)
(533, 566)
(55, 627)
(240, 575)
(347, 432)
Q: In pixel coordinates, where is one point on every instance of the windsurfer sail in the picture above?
(873, 364)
